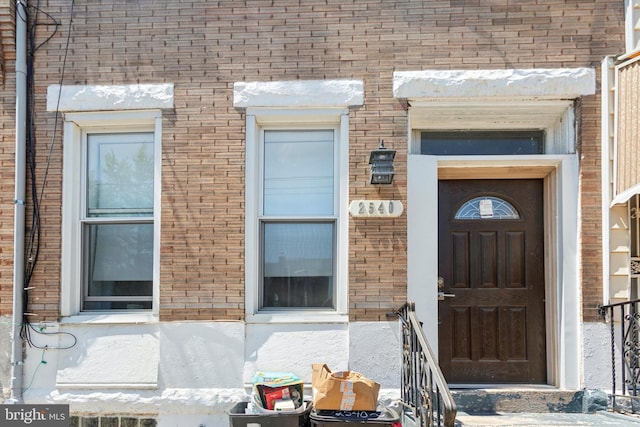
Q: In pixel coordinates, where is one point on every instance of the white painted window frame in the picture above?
(257, 121)
(295, 104)
(76, 128)
(103, 108)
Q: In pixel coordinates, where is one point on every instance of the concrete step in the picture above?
(536, 406)
(540, 399)
(598, 419)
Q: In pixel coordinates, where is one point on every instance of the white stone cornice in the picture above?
(299, 93)
(109, 97)
(558, 83)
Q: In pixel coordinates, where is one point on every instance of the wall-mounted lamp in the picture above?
(381, 161)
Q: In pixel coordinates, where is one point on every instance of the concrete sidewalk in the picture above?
(547, 419)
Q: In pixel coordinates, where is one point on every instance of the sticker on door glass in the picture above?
(486, 208)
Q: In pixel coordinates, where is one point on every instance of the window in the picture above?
(481, 143)
(297, 187)
(297, 225)
(296, 215)
(111, 198)
(117, 221)
(487, 207)
(110, 241)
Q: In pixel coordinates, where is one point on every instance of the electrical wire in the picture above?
(35, 371)
(57, 115)
(33, 243)
(33, 246)
(41, 331)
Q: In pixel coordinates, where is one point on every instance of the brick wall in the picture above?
(7, 36)
(205, 46)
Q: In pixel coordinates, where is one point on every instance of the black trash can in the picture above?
(238, 417)
(384, 417)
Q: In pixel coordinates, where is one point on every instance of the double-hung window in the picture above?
(297, 189)
(298, 219)
(117, 219)
(112, 146)
(296, 225)
(111, 208)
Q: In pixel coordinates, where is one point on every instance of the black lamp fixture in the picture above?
(381, 161)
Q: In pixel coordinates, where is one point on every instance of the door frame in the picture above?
(562, 306)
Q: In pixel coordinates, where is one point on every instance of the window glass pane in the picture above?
(120, 174)
(481, 143)
(119, 265)
(298, 172)
(487, 207)
(298, 265)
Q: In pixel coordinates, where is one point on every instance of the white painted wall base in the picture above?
(194, 372)
(5, 357)
(597, 356)
(203, 368)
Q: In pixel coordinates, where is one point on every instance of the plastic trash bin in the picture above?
(298, 418)
(384, 417)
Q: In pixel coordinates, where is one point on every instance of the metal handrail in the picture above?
(425, 393)
(625, 357)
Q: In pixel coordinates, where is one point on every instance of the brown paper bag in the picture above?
(342, 391)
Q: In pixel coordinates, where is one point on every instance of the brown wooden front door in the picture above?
(491, 263)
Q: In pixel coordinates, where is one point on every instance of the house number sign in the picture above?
(376, 208)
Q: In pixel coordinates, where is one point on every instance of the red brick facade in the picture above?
(203, 47)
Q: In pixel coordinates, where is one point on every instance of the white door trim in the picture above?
(561, 257)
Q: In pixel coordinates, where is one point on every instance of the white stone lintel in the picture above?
(109, 97)
(299, 93)
(556, 83)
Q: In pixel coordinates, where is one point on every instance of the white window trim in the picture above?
(94, 107)
(76, 126)
(256, 120)
(298, 93)
(289, 104)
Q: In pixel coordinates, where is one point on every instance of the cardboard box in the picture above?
(344, 390)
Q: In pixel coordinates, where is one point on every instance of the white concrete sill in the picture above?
(111, 319)
(297, 317)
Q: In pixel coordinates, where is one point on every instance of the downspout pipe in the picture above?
(17, 362)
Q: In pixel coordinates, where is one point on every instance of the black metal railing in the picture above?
(425, 394)
(624, 318)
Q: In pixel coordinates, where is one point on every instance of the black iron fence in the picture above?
(624, 318)
(425, 393)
